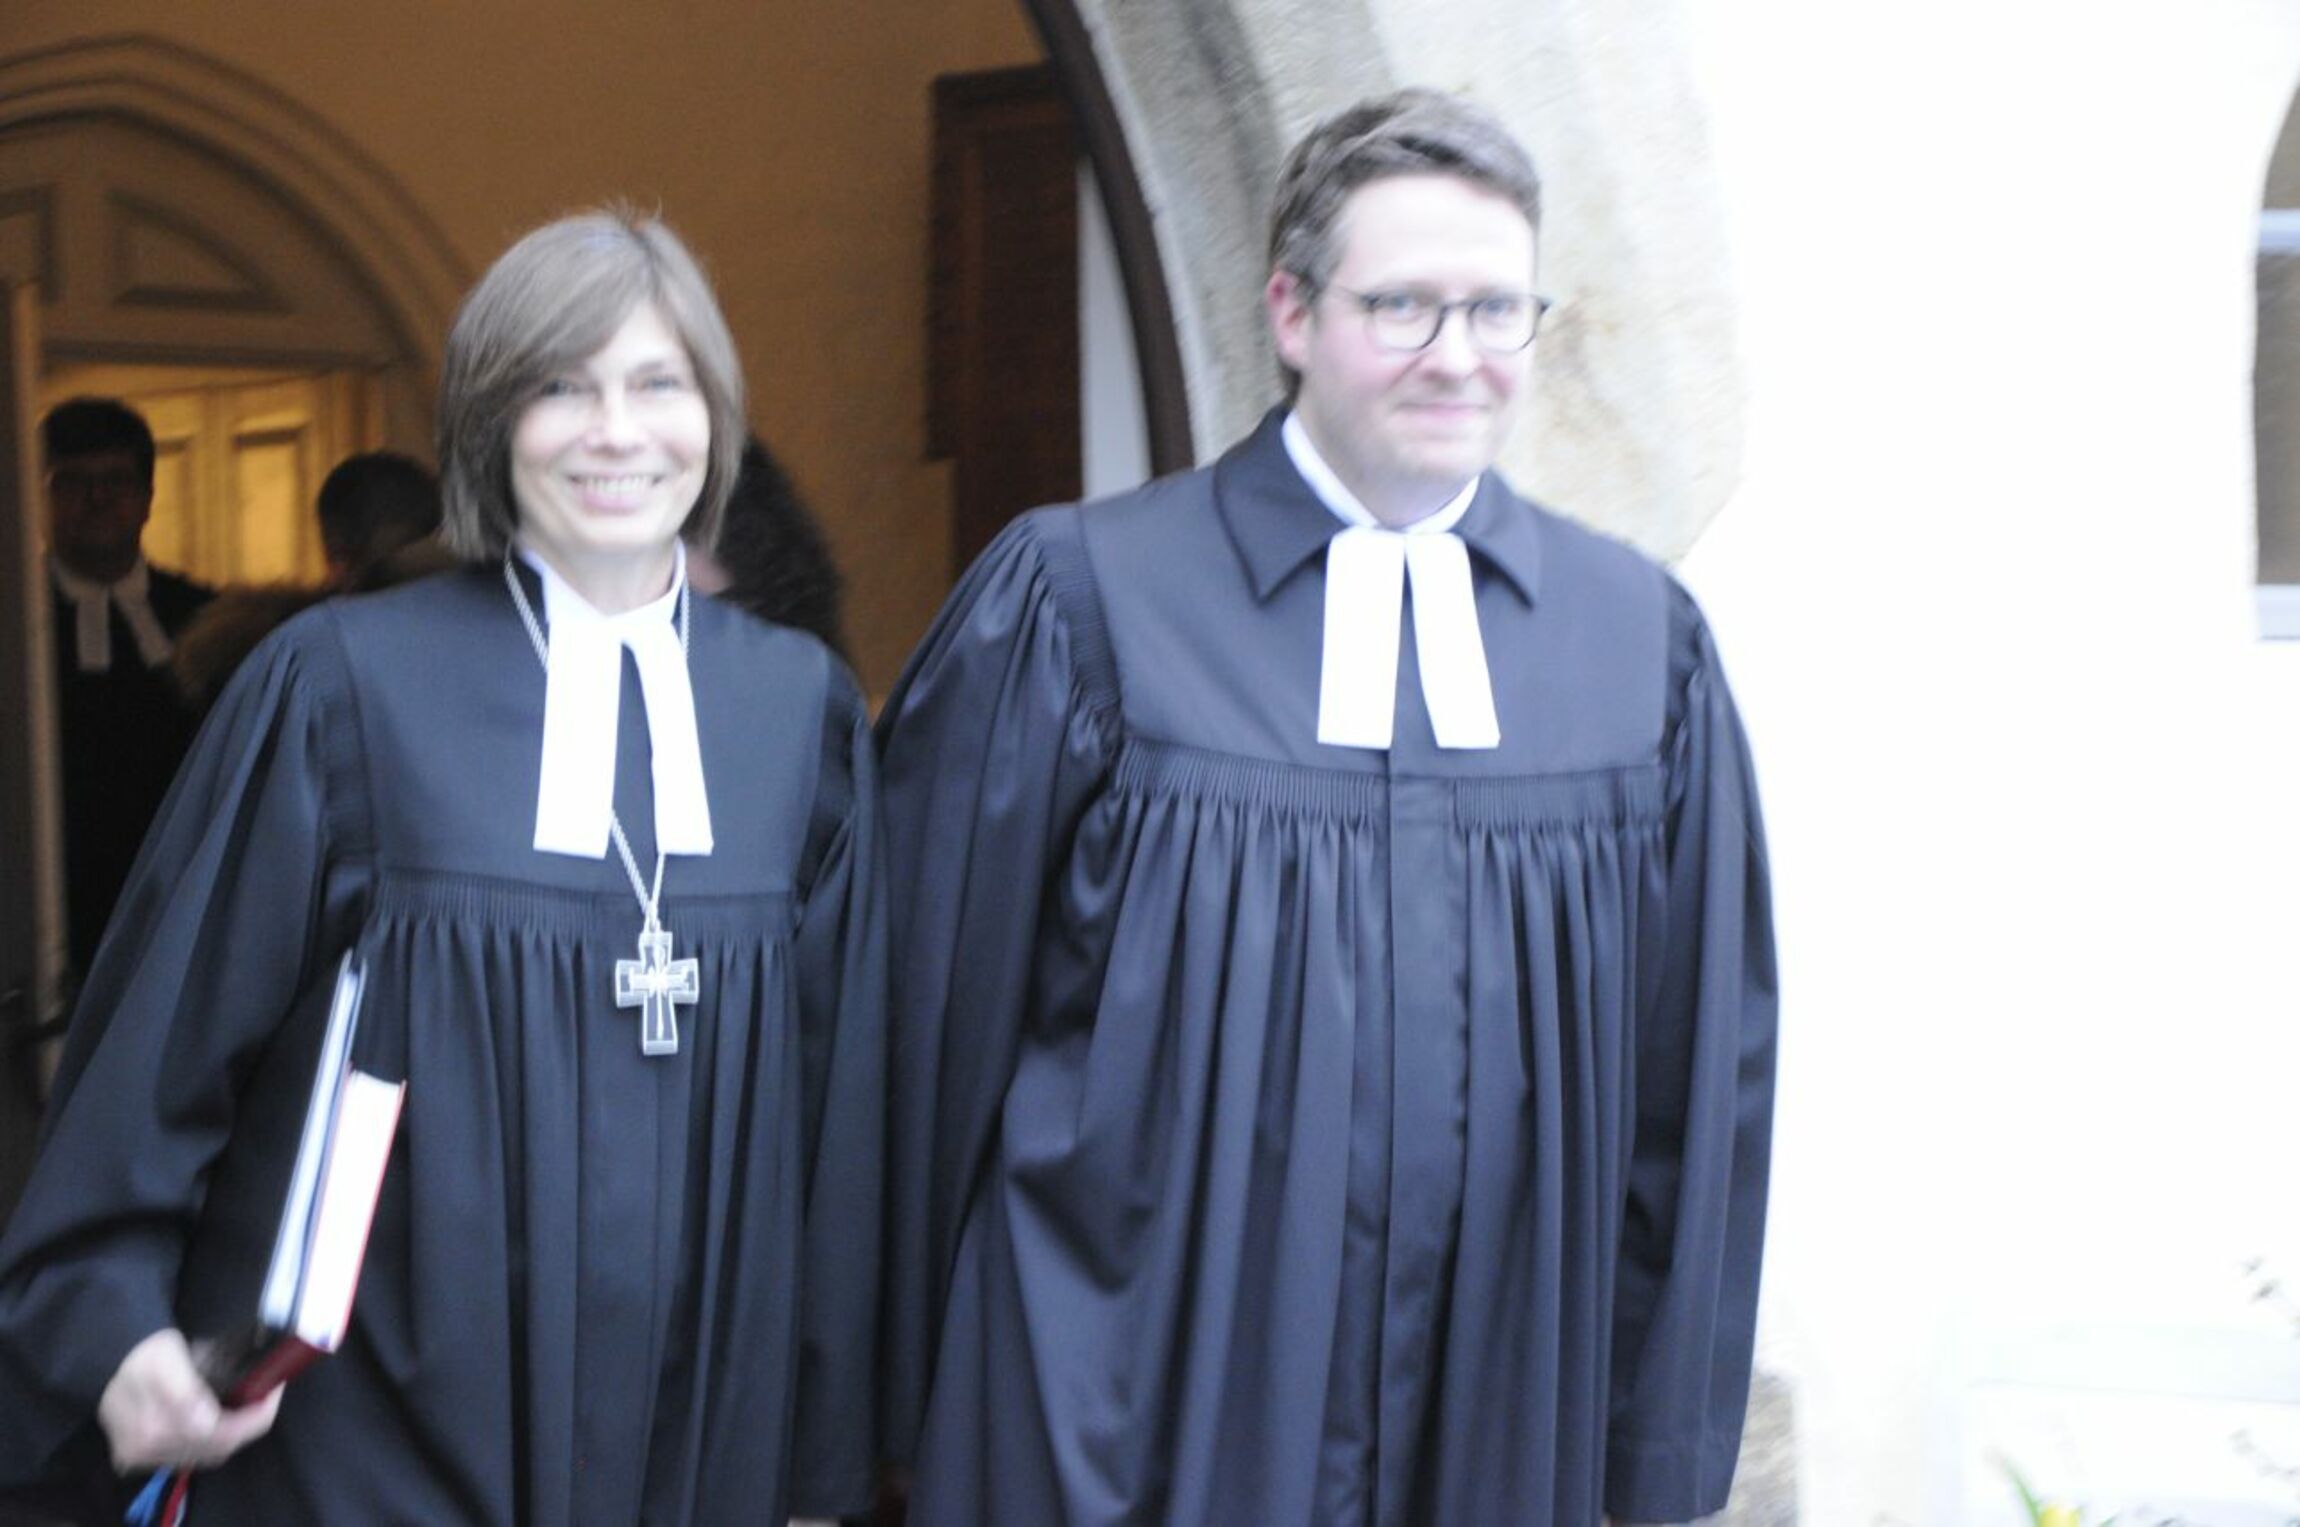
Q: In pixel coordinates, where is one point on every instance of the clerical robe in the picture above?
(124, 731)
(1300, 1136)
(601, 1286)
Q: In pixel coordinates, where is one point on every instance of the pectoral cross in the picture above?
(653, 983)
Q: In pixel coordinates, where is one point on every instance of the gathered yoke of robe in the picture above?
(1286, 1134)
(601, 1287)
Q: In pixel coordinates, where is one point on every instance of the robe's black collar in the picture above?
(1276, 522)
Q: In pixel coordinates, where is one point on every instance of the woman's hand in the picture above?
(158, 1412)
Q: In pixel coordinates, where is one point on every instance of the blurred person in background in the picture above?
(771, 557)
(124, 722)
(379, 524)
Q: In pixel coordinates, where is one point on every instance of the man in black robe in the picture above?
(124, 723)
(1333, 1041)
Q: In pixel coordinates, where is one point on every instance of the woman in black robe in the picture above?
(603, 1285)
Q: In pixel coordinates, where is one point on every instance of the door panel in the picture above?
(1002, 394)
(31, 862)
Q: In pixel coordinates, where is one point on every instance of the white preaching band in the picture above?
(1367, 565)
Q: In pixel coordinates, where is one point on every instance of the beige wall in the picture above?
(788, 142)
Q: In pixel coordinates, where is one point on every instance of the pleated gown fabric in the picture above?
(601, 1287)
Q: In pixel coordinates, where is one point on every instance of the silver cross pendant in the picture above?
(653, 983)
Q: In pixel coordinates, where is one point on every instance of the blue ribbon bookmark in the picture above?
(144, 1510)
(159, 1505)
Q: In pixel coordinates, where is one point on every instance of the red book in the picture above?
(271, 1269)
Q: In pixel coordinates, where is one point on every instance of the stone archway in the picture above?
(1637, 415)
(192, 284)
(2276, 389)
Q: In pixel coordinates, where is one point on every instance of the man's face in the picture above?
(97, 505)
(1406, 431)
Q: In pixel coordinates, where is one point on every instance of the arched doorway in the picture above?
(1132, 230)
(201, 243)
(193, 255)
(363, 274)
(2276, 390)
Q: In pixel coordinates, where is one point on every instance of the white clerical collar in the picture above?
(1367, 565)
(582, 701)
(92, 606)
(1344, 505)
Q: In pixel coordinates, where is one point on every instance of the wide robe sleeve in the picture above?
(841, 967)
(230, 911)
(1693, 1234)
(993, 745)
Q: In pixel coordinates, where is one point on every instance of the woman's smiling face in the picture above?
(608, 459)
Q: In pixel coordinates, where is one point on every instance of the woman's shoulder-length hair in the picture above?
(552, 300)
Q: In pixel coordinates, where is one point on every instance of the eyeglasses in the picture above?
(84, 482)
(1500, 323)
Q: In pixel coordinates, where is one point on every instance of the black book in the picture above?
(272, 1265)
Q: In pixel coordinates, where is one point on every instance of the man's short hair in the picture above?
(373, 504)
(1413, 132)
(554, 299)
(86, 426)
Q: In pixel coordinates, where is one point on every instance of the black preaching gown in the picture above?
(602, 1287)
(1302, 1136)
(124, 732)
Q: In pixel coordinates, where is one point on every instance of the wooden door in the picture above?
(31, 861)
(1002, 396)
